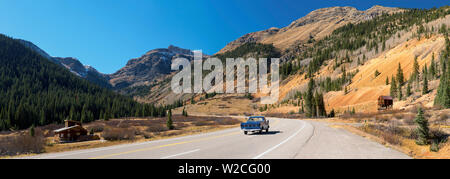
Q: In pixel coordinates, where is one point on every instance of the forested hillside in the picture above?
(35, 91)
(371, 35)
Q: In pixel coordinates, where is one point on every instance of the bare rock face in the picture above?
(249, 38)
(317, 24)
(84, 71)
(152, 65)
(73, 65)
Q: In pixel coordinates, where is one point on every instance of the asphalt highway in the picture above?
(286, 139)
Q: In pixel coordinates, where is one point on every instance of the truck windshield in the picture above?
(255, 119)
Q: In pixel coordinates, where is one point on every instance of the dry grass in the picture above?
(225, 105)
(120, 131)
(396, 128)
(116, 133)
(22, 143)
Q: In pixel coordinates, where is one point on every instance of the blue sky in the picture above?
(107, 33)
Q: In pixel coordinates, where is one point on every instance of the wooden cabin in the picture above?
(385, 102)
(72, 131)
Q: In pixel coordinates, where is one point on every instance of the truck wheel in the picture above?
(245, 132)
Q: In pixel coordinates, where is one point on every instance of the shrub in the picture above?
(22, 143)
(97, 128)
(438, 135)
(434, 147)
(156, 128)
(392, 139)
(115, 133)
(147, 135)
(381, 119)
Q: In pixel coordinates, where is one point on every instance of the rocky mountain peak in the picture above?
(150, 66)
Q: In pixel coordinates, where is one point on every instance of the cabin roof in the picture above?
(67, 128)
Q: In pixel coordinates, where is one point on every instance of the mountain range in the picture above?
(155, 64)
(147, 76)
(137, 72)
(315, 25)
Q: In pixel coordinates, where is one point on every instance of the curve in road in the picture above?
(287, 139)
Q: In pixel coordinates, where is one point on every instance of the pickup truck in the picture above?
(255, 124)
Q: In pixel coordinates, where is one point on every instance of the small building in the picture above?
(385, 102)
(73, 131)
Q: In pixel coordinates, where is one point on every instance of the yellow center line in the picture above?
(167, 145)
(275, 123)
(161, 146)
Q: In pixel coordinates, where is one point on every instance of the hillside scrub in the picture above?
(23, 143)
(415, 130)
(369, 34)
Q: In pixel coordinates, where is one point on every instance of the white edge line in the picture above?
(192, 151)
(84, 151)
(284, 141)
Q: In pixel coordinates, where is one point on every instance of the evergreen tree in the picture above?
(303, 109)
(422, 130)
(84, 115)
(408, 89)
(106, 115)
(393, 90)
(332, 113)
(377, 73)
(432, 68)
(184, 113)
(72, 113)
(102, 115)
(400, 77)
(443, 93)
(313, 107)
(32, 133)
(425, 85)
(309, 99)
(416, 69)
(387, 80)
(169, 122)
(400, 93)
(320, 104)
(42, 120)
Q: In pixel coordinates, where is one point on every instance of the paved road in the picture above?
(292, 139)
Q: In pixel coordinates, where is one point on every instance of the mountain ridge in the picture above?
(315, 25)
